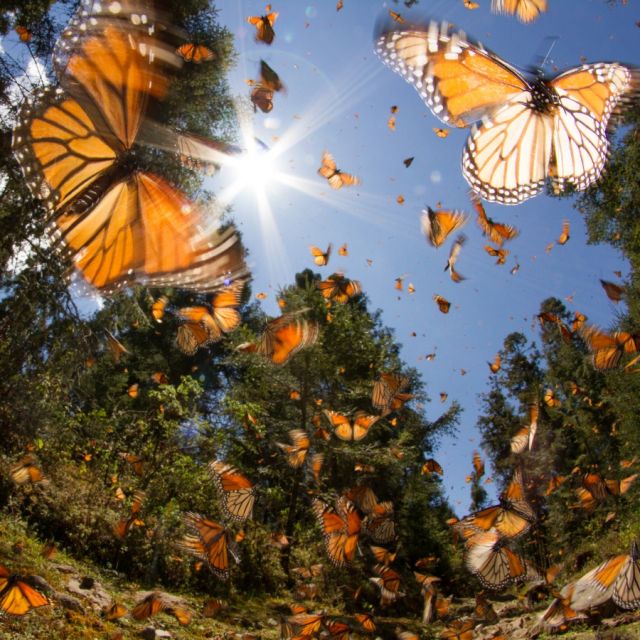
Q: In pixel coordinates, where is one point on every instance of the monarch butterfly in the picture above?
(363, 497)
(118, 223)
(183, 616)
(306, 625)
(283, 337)
(379, 523)
(212, 607)
(159, 377)
(496, 364)
(316, 466)
(209, 541)
(264, 27)
(383, 556)
(279, 540)
(27, 470)
(137, 463)
(17, 597)
(388, 581)
(158, 308)
(469, 4)
(343, 250)
(262, 98)
(494, 564)
(443, 304)
(263, 90)
(453, 258)
(387, 395)
(478, 464)
(23, 33)
(459, 630)
(351, 430)
(115, 611)
(484, 610)
(396, 16)
(596, 586)
(530, 130)
(49, 550)
(437, 225)
(441, 133)
(550, 398)
(501, 254)
(607, 349)
(321, 258)
(426, 582)
(296, 452)
(564, 236)
(340, 528)
(121, 528)
(238, 492)
(307, 573)
(116, 348)
(622, 573)
(338, 630)
(614, 292)
(407, 161)
(336, 178)
(551, 318)
(526, 10)
(512, 518)
(204, 325)
(196, 53)
(596, 489)
(366, 621)
(431, 466)
(149, 605)
(497, 232)
(339, 288)
(523, 439)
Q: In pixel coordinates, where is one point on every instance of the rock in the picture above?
(69, 602)
(170, 601)
(63, 568)
(91, 590)
(40, 583)
(150, 633)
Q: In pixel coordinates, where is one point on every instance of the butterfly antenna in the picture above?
(540, 60)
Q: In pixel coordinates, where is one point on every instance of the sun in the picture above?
(255, 169)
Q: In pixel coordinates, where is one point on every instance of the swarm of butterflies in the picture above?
(120, 224)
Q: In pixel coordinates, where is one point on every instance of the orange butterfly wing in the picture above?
(16, 596)
(196, 53)
(285, 336)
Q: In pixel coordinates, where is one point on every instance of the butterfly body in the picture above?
(334, 176)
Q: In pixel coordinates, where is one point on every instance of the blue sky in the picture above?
(338, 98)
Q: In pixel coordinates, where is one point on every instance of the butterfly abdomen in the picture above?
(89, 197)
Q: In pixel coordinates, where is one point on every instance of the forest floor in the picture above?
(79, 592)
